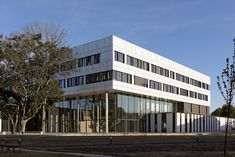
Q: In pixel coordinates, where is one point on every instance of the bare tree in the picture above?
(50, 32)
(226, 85)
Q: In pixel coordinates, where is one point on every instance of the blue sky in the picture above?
(195, 33)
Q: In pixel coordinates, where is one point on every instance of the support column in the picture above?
(188, 123)
(106, 112)
(78, 125)
(0, 122)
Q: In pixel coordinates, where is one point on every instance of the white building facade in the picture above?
(115, 86)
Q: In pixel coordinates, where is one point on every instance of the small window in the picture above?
(120, 57)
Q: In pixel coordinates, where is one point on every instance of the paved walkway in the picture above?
(67, 153)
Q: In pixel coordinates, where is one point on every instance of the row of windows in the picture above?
(158, 70)
(123, 77)
(192, 94)
(89, 60)
(81, 62)
(137, 63)
(75, 81)
(99, 77)
(96, 77)
(199, 84)
(202, 97)
(172, 89)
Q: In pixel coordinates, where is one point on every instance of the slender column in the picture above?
(0, 121)
(106, 112)
(78, 128)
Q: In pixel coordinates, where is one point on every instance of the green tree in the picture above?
(223, 112)
(9, 103)
(31, 64)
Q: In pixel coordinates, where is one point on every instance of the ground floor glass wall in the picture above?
(126, 113)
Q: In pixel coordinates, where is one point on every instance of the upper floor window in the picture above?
(99, 77)
(141, 81)
(137, 63)
(155, 85)
(69, 65)
(160, 70)
(183, 92)
(89, 60)
(121, 76)
(75, 81)
(62, 83)
(120, 57)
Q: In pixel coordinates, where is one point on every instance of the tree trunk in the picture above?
(14, 125)
(23, 125)
(43, 119)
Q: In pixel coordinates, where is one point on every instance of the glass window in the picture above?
(99, 77)
(183, 92)
(140, 81)
(120, 57)
(137, 63)
(96, 58)
(69, 65)
(172, 75)
(62, 83)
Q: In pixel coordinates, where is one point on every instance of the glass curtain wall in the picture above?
(127, 113)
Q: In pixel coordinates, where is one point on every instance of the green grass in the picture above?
(33, 154)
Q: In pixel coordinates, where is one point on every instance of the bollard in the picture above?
(19, 141)
(110, 140)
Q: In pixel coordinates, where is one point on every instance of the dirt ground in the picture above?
(128, 146)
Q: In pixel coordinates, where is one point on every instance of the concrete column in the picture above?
(159, 122)
(188, 122)
(106, 112)
(201, 126)
(207, 123)
(197, 122)
(152, 122)
(183, 122)
(177, 122)
(192, 122)
(78, 115)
